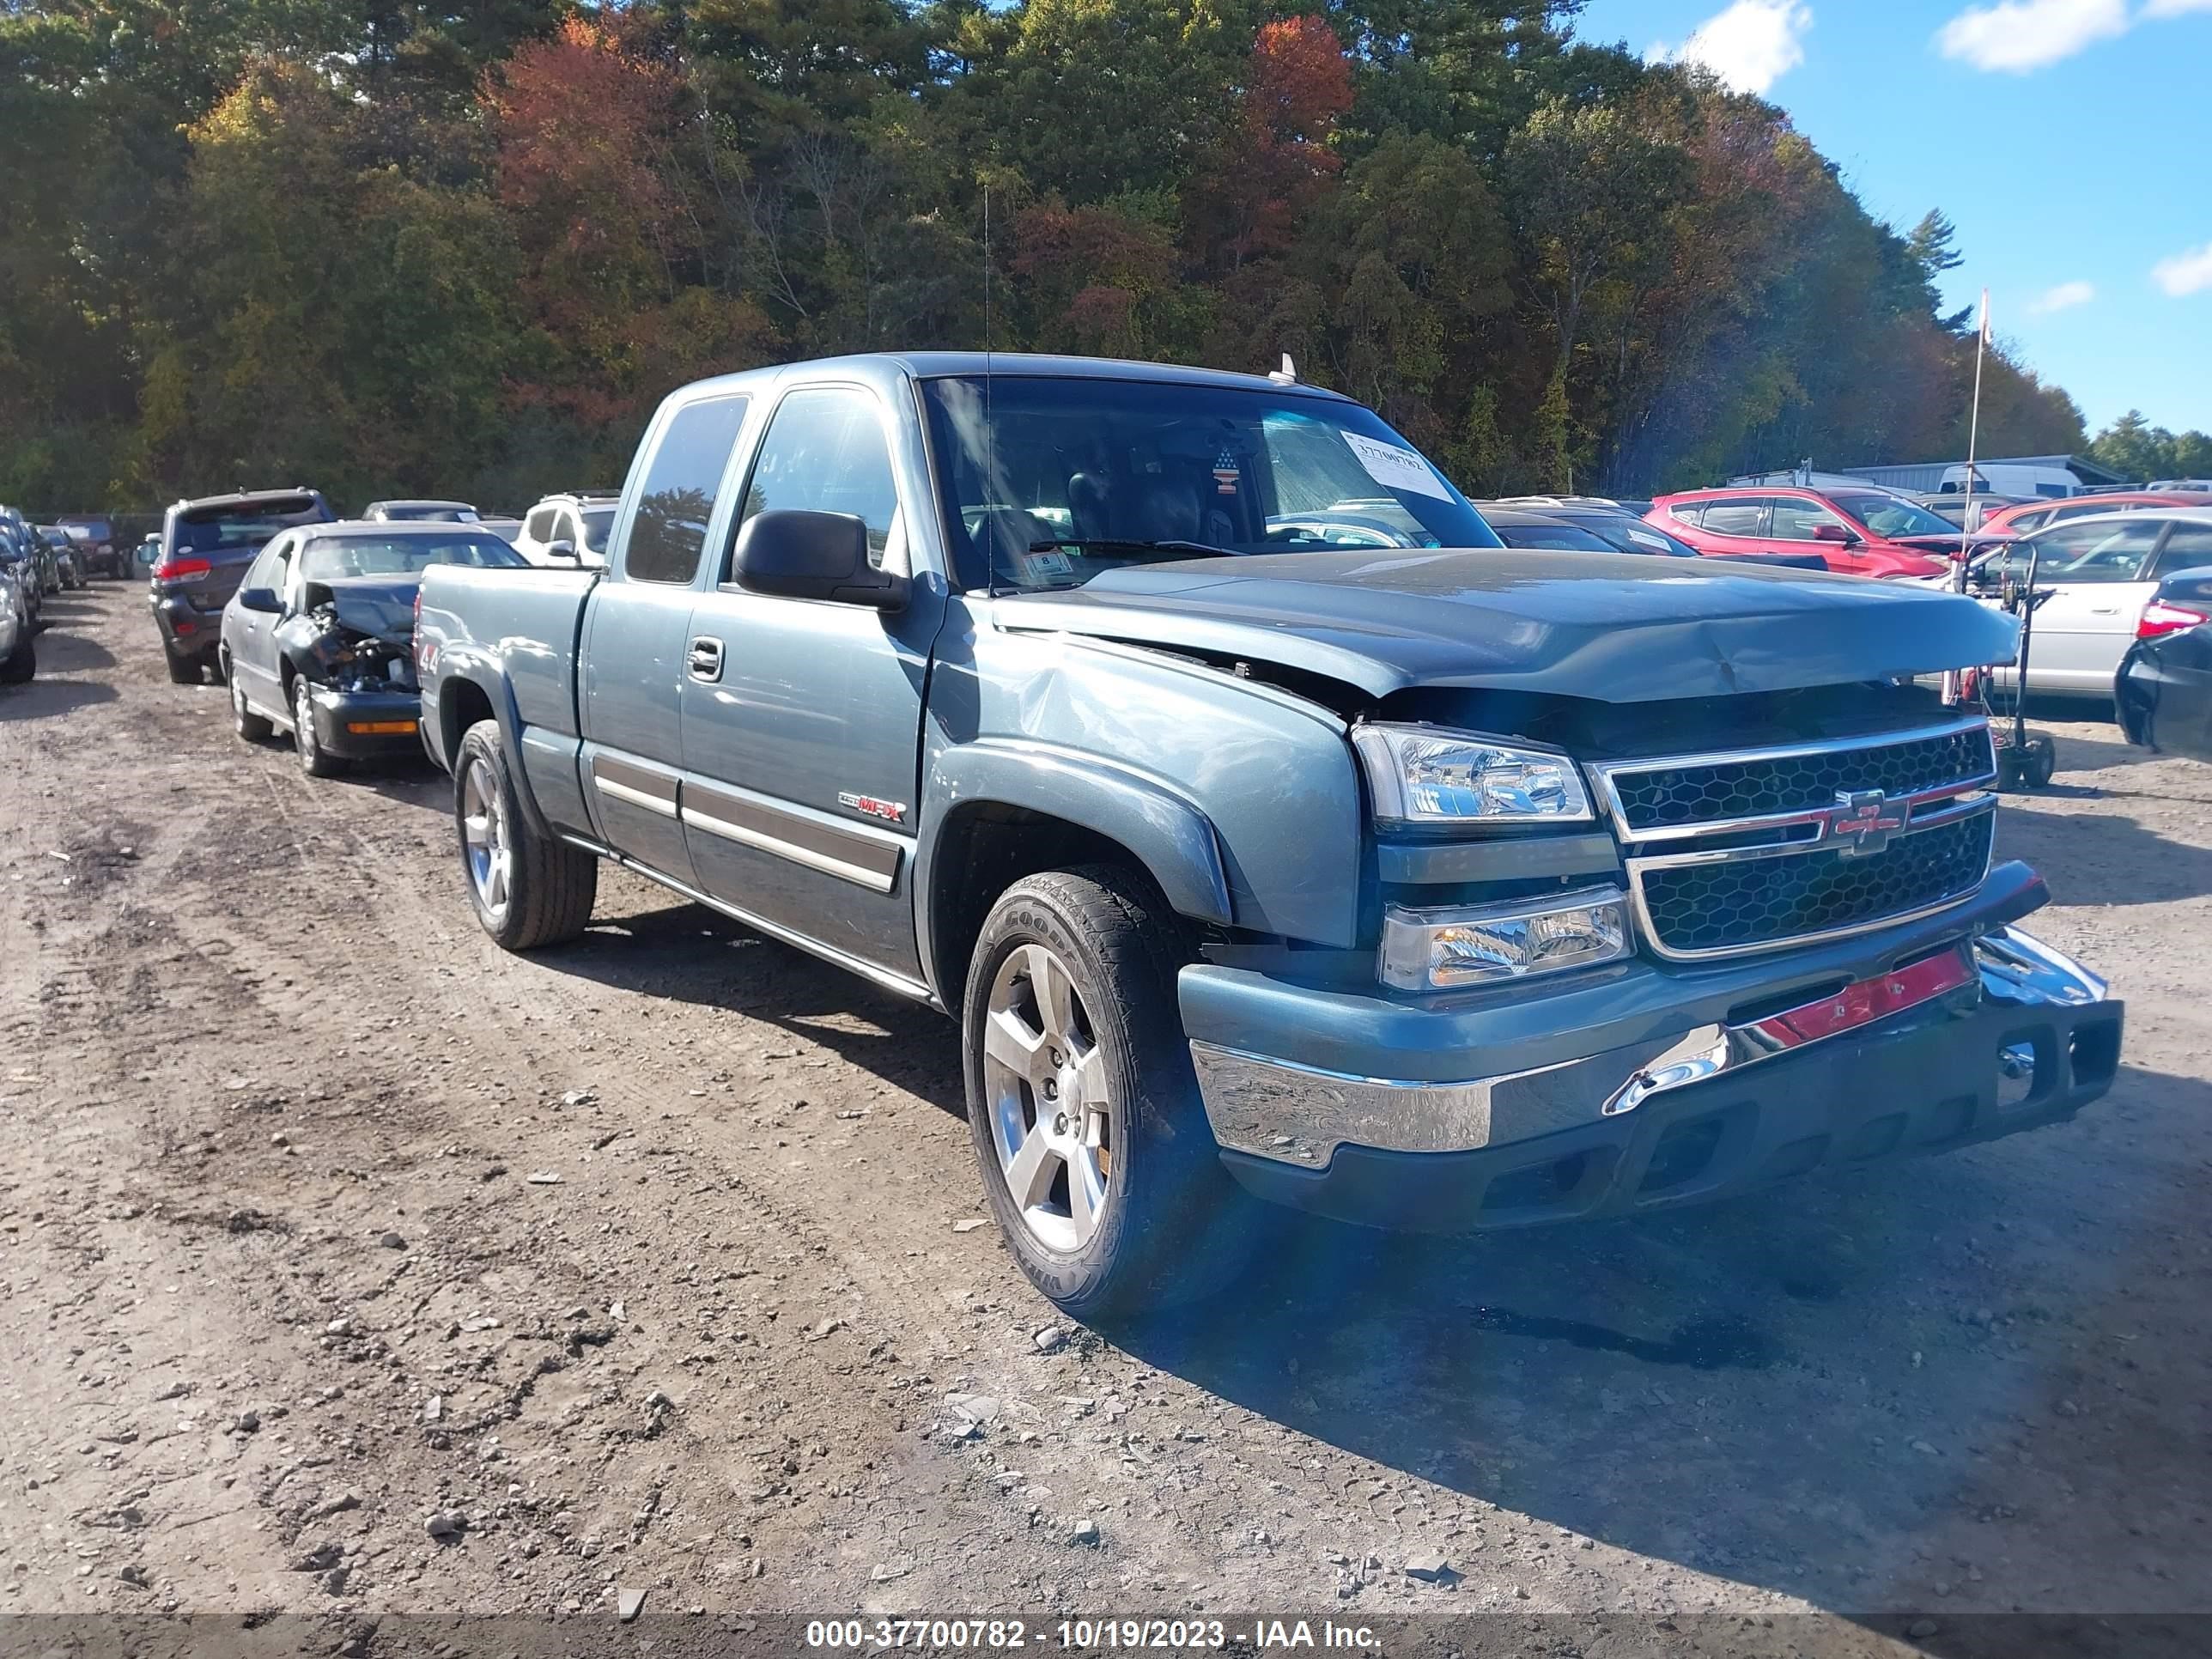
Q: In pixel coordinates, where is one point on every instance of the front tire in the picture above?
(315, 760)
(528, 889)
(23, 663)
(1096, 1159)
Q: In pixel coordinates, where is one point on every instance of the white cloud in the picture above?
(1750, 47)
(2019, 35)
(2187, 272)
(2175, 8)
(2064, 297)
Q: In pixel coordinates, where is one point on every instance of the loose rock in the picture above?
(629, 1604)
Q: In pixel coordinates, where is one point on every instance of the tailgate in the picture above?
(515, 630)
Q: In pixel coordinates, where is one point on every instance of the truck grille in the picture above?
(1757, 849)
(1698, 910)
(1692, 795)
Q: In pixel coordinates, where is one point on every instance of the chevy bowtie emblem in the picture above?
(1861, 822)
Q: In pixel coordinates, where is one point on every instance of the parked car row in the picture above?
(201, 555)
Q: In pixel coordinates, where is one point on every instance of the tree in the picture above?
(2140, 452)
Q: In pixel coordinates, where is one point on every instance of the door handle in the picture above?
(2104, 610)
(703, 660)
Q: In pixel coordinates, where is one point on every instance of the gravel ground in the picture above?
(351, 1270)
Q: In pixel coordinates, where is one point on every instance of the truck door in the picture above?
(633, 647)
(802, 719)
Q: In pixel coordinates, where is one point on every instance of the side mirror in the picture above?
(260, 599)
(563, 549)
(1834, 532)
(802, 554)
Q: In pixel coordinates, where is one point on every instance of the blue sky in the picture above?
(2067, 139)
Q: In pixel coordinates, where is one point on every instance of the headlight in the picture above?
(1429, 774)
(1437, 950)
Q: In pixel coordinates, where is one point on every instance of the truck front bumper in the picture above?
(1641, 1088)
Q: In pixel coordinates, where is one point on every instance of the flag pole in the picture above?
(1953, 681)
(1973, 435)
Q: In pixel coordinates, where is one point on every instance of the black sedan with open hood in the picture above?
(320, 637)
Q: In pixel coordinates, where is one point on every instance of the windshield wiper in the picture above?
(1199, 550)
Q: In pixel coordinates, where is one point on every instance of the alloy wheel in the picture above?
(303, 726)
(1052, 1115)
(484, 841)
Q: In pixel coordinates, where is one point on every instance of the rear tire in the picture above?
(528, 889)
(183, 670)
(250, 727)
(1096, 1063)
(23, 663)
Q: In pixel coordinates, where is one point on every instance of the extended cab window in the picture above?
(824, 452)
(670, 530)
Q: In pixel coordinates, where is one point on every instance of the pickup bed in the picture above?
(1439, 885)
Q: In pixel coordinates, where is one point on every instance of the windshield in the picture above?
(597, 520)
(1068, 477)
(328, 558)
(1892, 515)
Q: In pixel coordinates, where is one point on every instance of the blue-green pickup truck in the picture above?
(1273, 833)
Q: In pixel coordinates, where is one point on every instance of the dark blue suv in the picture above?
(206, 545)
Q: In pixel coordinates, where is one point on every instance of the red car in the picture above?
(1860, 533)
(2026, 516)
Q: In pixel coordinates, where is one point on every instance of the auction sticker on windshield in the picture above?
(1397, 469)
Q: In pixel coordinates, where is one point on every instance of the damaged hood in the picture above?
(1619, 629)
(382, 607)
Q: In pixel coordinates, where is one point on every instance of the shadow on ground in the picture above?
(1792, 1390)
(45, 699)
(1788, 1390)
(2077, 846)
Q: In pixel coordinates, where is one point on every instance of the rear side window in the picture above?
(2188, 546)
(670, 529)
(538, 526)
(825, 452)
(1736, 518)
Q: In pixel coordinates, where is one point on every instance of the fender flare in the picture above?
(484, 675)
(1166, 832)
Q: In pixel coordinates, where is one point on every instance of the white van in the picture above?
(2011, 478)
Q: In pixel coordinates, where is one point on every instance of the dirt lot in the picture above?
(656, 1263)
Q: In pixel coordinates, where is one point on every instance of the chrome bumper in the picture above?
(1300, 1115)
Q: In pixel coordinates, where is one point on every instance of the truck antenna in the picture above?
(990, 432)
